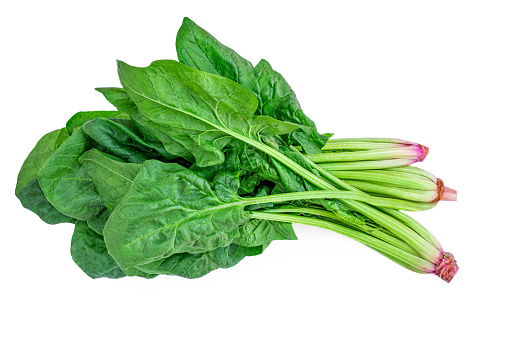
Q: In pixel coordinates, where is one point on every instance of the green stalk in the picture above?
(396, 192)
(403, 232)
(414, 171)
(409, 152)
(357, 145)
(376, 232)
(388, 141)
(392, 178)
(417, 227)
(336, 194)
(367, 165)
(368, 240)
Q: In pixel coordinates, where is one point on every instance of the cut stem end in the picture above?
(447, 268)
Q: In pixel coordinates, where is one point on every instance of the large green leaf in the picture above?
(89, 252)
(28, 189)
(65, 182)
(200, 50)
(258, 232)
(196, 265)
(79, 119)
(120, 99)
(44, 148)
(111, 176)
(169, 209)
(122, 139)
(32, 198)
(98, 221)
(201, 111)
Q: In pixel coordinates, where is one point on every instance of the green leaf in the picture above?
(201, 111)
(169, 209)
(78, 119)
(258, 232)
(28, 190)
(32, 198)
(89, 252)
(65, 182)
(111, 176)
(200, 50)
(197, 265)
(98, 221)
(278, 100)
(120, 99)
(46, 146)
(122, 139)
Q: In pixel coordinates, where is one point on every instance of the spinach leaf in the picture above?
(111, 176)
(197, 265)
(78, 119)
(28, 190)
(258, 232)
(201, 111)
(98, 221)
(122, 139)
(200, 50)
(65, 182)
(32, 198)
(120, 99)
(169, 209)
(89, 252)
(46, 146)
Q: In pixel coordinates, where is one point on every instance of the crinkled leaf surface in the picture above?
(89, 252)
(121, 138)
(169, 209)
(196, 265)
(98, 221)
(66, 183)
(32, 198)
(258, 232)
(202, 111)
(111, 176)
(28, 189)
(120, 99)
(200, 50)
(44, 148)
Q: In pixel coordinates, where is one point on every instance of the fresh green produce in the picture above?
(208, 160)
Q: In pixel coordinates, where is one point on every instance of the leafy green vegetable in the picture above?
(111, 176)
(98, 221)
(169, 209)
(46, 146)
(89, 252)
(28, 189)
(196, 265)
(65, 182)
(200, 50)
(204, 111)
(208, 161)
(32, 198)
(120, 99)
(79, 119)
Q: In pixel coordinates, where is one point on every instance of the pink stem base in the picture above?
(447, 268)
(449, 194)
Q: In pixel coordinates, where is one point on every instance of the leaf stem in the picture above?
(409, 152)
(337, 194)
(376, 232)
(373, 242)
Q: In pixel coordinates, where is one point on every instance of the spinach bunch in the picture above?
(201, 164)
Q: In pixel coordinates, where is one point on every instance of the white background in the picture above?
(433, 72)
